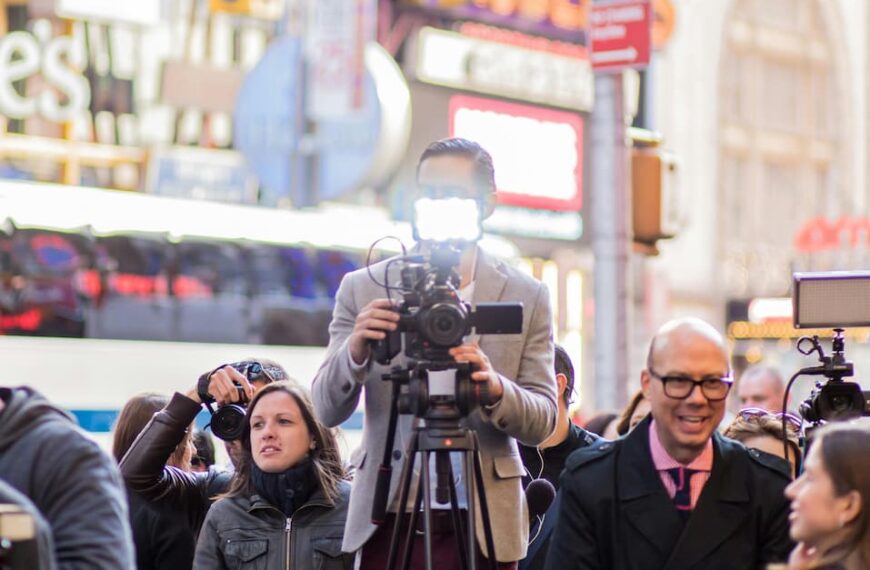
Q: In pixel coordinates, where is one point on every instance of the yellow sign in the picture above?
(231, 6)
(744, 330)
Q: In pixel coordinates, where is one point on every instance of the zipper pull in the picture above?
(288, 531)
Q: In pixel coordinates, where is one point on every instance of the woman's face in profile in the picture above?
(279, 434)
(816, 511)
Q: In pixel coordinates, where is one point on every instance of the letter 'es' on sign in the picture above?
(619, 34)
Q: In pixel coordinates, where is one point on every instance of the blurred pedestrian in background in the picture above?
(547, 460)
(761, 386)
(636, 410)
(162, 534)
(604, 425)
(759, 429)
(205, 453)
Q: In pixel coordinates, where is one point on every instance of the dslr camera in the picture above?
(228, 421)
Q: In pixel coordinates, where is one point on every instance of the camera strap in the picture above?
(202, 385)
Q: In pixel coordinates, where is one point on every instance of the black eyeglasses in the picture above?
(680, 387)
(755, 414)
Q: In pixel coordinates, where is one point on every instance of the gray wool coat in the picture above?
(526, 412)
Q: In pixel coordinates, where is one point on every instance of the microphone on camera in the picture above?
(539, 495)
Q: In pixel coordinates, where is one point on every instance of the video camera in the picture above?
(228, 421)
(432, 320)
(837, 300)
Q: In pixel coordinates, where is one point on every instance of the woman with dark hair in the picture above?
(287, 504)
(603, 424)
(830, 501)
(134, 416)
(162, 536)
(636, 410)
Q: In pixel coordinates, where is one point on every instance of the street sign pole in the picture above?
(620, 39)
(610, 207)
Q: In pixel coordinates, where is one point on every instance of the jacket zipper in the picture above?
(288, 531)
(288, 527)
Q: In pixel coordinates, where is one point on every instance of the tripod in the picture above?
(443, 438)
(441, 435)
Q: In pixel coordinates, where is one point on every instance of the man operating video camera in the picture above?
(516, 369)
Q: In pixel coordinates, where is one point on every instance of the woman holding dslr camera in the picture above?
(287, 504)
(144, 466)
(830, 501)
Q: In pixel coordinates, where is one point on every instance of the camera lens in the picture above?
(840, 403)
(228, 422)
(444, 324)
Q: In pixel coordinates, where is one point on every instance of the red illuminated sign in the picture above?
(537, 152)
(820, 234)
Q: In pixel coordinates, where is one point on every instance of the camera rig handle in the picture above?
(834, 367)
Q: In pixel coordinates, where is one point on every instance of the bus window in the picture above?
(41, 290)
(212, 293)
(206, 269)
(132, 300)
(134, 266)
(332, 267)
(303, 281)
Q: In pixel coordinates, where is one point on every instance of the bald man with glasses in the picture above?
(674, 494)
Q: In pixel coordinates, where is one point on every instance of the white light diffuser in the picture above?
(450, 219)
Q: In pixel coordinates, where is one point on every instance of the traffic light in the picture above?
(655, 209)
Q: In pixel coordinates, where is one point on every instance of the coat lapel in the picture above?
(643, 499)
(721, 507)
(489, 283)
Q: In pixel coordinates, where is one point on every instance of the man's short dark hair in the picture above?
(483, 168)
(562, 365)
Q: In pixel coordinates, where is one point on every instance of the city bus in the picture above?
(106, 294)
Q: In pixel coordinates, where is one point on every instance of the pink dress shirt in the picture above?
(662, 462)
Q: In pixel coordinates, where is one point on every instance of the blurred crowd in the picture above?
(164, 502)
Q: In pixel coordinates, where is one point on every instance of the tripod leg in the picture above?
(405, 482)
(484, 509)
(457, 521)
(412, 527)
(470, 486)
(427, 510)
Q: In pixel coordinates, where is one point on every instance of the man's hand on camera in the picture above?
(483, 371)
(222, 386)
(371, 322)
